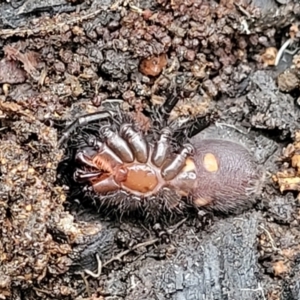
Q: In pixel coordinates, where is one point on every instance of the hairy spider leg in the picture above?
(168, 105)
(83, 120)
(174, 166)
(81, 176)
(186, 180)
(191, 127)
(82, 158)
(200, 123)
(105, 184)
(136, 142)
(102, 158)
(107, 154)
(116, 143)
(108, 165)
(161, 147)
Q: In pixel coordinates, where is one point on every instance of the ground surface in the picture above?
(60, 59)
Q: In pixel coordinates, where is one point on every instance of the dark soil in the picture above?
(61, 59)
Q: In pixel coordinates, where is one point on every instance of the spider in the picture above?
(115, 161)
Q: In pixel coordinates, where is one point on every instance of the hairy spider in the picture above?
(117, 163)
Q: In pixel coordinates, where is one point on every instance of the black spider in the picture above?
(118, 162)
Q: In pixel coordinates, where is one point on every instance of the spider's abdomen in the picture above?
(227, 175)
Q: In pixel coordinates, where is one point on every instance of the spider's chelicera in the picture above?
(119, 164)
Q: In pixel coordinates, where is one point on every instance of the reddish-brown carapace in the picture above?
(120, 166)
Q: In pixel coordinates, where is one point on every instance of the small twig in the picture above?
(87, 286)
(117, 257)
(116, 5)
(43, 291)
(232, 126)
(120, 255)
(243, 10)
(112, 101)
(270, 238)
(135, 9)
(281, 51)
(259, 289)
(99, 270)
(173, 228)
(49, 27)
(194, 236)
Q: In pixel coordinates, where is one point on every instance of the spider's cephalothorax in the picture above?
(119, 165)
(123, 166)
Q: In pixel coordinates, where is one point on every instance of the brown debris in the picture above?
(9, 108)
(280, 268)
(154, 65)
(57, 24)
(143, 121)
(30, 205)
(199, 69)
(296, 61)
(294, 30)
(288, 178)
(10, 72)
(288, 81)
(269, 56)
(147, 13)
(29, 59)
(196, 106)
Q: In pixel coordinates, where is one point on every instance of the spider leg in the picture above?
(101, 181)
(173, 167)
(83, 120)
(162, 147)
(105, 185)
(186, 179)
(82, 176)
(116, 143)
(193, 126)
(103, 161)
(167, 107)
(80, 157)
(200, 124)
(136, 142)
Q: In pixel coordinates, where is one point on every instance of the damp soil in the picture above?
(60, 59)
